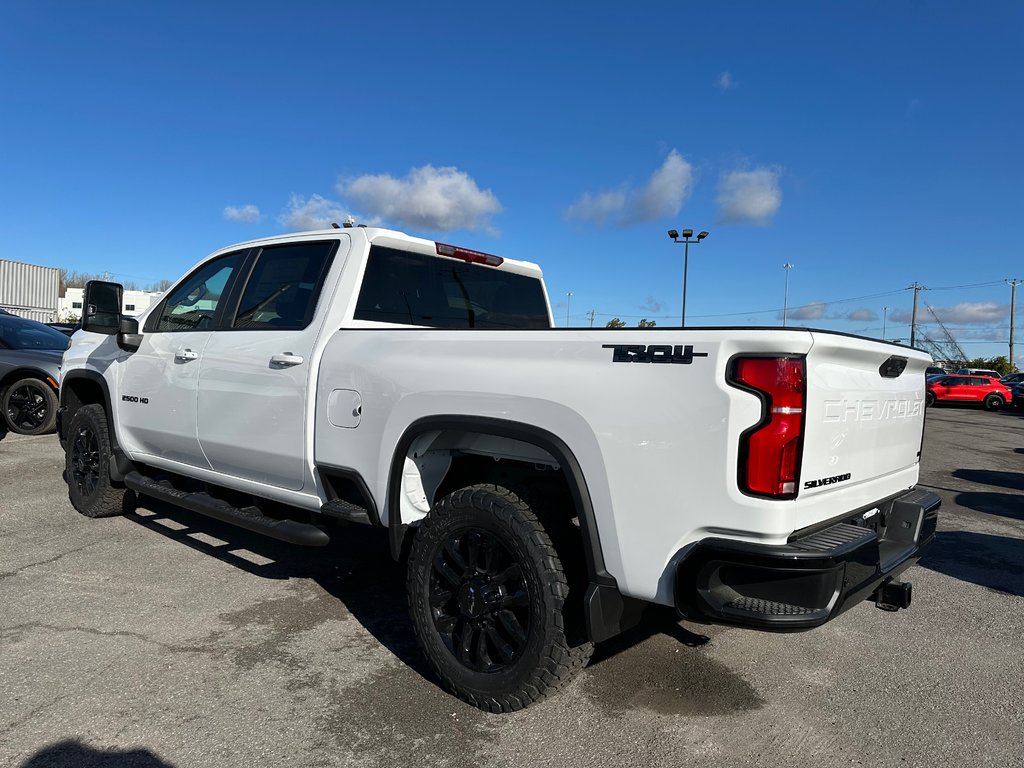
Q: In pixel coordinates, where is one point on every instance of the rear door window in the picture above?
(417, 289)
(285, 284)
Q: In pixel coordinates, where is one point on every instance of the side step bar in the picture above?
(250, 518)
(346, 510)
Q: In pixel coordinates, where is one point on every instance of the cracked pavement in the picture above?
(164, 639)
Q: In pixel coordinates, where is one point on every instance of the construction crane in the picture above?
(946, 349)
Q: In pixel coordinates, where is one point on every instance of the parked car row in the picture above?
(30, 360)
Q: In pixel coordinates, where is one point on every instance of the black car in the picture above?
(30, 360)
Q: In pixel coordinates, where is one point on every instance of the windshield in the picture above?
(19, 333)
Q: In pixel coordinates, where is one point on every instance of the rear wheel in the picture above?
(993, 401)
(87, 465)
(487, 593)
(929, 399)
(30, 407)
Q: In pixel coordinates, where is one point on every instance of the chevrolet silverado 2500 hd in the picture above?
(542, 485)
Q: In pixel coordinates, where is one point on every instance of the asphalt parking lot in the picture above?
(167, 639)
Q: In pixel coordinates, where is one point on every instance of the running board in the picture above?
(250, 518)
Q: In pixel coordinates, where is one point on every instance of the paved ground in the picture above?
(166, 639)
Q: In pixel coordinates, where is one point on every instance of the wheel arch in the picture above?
(608, 612)
(25, 372)
(78, 388)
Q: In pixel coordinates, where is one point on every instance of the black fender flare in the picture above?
(608, 612)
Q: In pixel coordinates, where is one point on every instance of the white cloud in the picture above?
(313, 212)
(245, 214)
(978, 312)
(725, 81)
(862, 315)
(598, 208)
(749, 197)
(435, 199)
(662, 196)
(813, 311)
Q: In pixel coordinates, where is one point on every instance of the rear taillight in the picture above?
(770, 451)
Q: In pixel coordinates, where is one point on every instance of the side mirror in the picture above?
(102, 307)
(128, 337)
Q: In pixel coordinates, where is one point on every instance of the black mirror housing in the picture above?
(102, 307)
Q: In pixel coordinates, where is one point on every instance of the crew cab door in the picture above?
(156, 402)
(255, 373)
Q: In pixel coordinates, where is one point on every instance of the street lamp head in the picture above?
(701, 235)
(687, 233)
(787, 265)
(673, 234)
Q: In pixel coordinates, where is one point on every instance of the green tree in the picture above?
(645, 323)
(999, 364)
(615, 323)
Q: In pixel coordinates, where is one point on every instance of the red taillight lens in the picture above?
(473, 257)
(770, 452)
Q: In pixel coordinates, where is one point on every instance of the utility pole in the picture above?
(785, 299)
(568, 303)
(591, 318)
(1013, 305)
(913, 315)
(885, 311)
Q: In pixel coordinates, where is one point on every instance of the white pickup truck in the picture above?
(542, 485)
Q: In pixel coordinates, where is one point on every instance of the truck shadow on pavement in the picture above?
(1013, 480)
(993, 562)
(74, 754)
(356, 568)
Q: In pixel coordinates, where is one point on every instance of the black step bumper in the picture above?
(811, 579)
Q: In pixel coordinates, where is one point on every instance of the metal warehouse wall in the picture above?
(29, 290)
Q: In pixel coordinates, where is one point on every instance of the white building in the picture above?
(135, 303)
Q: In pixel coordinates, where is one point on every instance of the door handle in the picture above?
(286, 360)
(186, 354)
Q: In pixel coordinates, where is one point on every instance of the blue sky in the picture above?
(870, 144)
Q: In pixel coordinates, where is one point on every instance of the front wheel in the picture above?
(30, 407)
(993, 402)
(87, 465)
(929, 399)
(487, 594)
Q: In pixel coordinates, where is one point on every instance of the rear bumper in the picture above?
(813, 578)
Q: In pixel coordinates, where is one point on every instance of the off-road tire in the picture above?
(87, 466)
(993, 402)
(547, 659)
(929, 399)
(41, 401)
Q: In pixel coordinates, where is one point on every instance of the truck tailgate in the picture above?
(865, 414)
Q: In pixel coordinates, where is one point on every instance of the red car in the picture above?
(969, 389)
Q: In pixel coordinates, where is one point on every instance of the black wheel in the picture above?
(87, 465)
(487, 594)
(992, 402)
(929, 399)
(30, 407)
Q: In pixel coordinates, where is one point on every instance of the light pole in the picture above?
(785, 299)
(568, 303)
(687, 234)
(885, 311)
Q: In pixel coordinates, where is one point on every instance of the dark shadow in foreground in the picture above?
(1009, 505)
(74, 754)
(1014, 480)
(993, 562)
